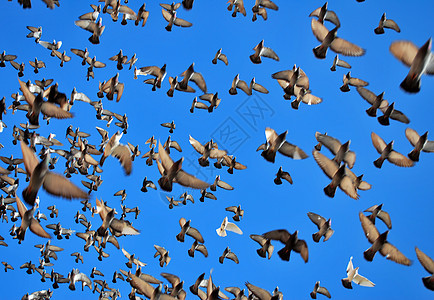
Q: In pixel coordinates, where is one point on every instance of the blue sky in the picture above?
(238, 126)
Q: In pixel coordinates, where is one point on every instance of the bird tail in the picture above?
(379, 30)
(347, 283)
(320, 52)
(316, 237)
(384, 120)
(165, 183)
(414, 155)
(214, 61)
(180, 237)
(410, 84)
(33, 118)
(345, 88)
(295, 104)
(221, 258)
(261, 252)
(191, 253)
(256, 59)
(29, 195)
(330, 191)
(369, 254)
(372, 111)
(284, 253)
(94, 39)
(170, 93)
(379, 162)
(204, 162)
(313, 295)
(277, 181)
(269, 155)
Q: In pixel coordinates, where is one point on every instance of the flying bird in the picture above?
(329, 39)
(226, 225)
(291, 242)
(428, 264)
(261, 50)
(379, 243)
(354, 276)
(173, 172)
(324, 227)
(387, 152)
(386, 23)
(420, 143)
(420, 60)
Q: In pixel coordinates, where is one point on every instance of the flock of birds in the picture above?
(44, 97)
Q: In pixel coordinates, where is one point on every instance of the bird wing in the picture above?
(346, 48)
(258, 292)
(30, 98)
(301, 247)
(199, 80)
(234, 228)
(392, 25)
(405, 51)
(142, 286)
(367, 94)
(194, 233)
(268, 52)
(223, 58)
(385, 217)
(400, 160)
(363, 281)
(319, 30)
(316, 219)
(412, 136)
(292, 151)
(166, 161)
(196, 145)
(233, 257)
(29, 157)
(330, 142)
(378, 142)
(241, 84)
(37, 229)
(123, 153)
(51, 110)
(58, 185)
(398, 116)
(182, 23)
(328, 166)
(425, 261)
(281, 235)
(369, 228)
(324, 291)
(186, 179)
(392, 253)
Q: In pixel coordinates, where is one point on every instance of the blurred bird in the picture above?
(291, 242)
(428, 265)
(420, 61)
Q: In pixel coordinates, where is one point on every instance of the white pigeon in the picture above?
(226, 225)
(353, 276)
